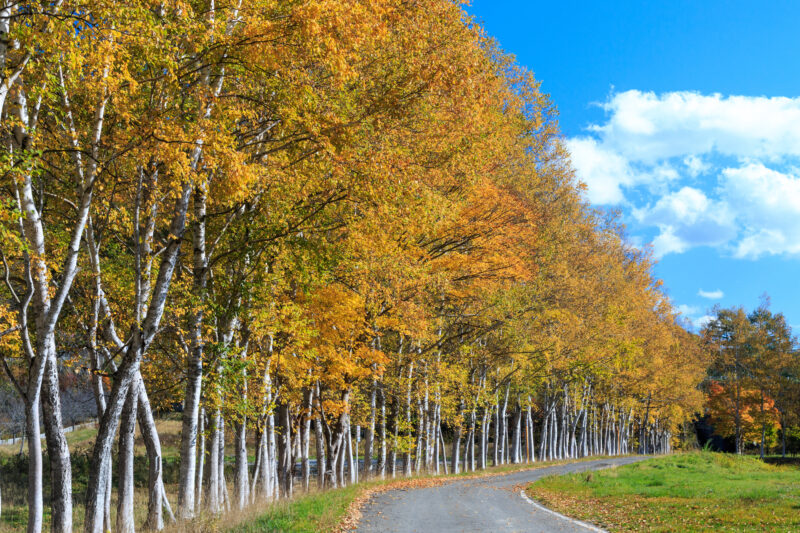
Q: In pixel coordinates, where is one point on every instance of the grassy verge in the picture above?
(321, 511)
(328, 510)
(700, 491)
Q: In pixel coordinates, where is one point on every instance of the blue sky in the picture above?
(686, 117)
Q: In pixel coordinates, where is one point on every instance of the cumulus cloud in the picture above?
(607, 172)
(644, 126)
(687, 218)
(693, 314)
(696, 165)
(603, 171)
(711, 295)
(701, 322)
(713, 170)
(768, 203)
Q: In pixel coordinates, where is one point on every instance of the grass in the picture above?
(78, 438)
(82, 440)
(14, 467)
(319, 511)
(700, 491)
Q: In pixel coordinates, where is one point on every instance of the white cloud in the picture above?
(667, 242)
(692, 314)
(647, 127)
(687, 218)
(688, 204)
(711, 295)
(768, 203)
(603, 172)
(695, 165)
(701, 322)
(705, 170)
(606, 172)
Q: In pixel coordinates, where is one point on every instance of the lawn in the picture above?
(700, 491)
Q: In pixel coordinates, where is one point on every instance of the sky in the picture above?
(685, 117)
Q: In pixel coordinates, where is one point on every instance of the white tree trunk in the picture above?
(57, 449)
(352, 467)
(382, 457)
(516, 445)
(157, 496)
(496, 458)
(444, 451)
(322, 465)
(407, 455)
(454, 464)
(287, 461)
(35, 503)
(308, 405)
(420, 432)
(125, 456)
(437, 432)
(242, 475)
(201, 458)
(504, 428)
(396, 434)
(222, 486)
(140, 339)
(194, 380)
(369, 439)
(355, 452)
(544, 436)
(484, 439)
(273, 455)
(212, 489)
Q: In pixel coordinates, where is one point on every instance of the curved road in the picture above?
(491, 503)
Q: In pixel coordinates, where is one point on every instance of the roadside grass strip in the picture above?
(700, 491)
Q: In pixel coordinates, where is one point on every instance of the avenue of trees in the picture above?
(320, 230)
(753, 382)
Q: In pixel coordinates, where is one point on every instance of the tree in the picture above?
(752, 371)
(730, 334)
(330, 215)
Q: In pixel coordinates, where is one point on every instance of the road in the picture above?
(491, 503)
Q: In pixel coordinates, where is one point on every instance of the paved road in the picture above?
(487, 504)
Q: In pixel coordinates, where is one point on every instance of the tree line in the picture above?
(753, 382)
(351, 225)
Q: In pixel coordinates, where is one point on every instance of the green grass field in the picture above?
(700, 491)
